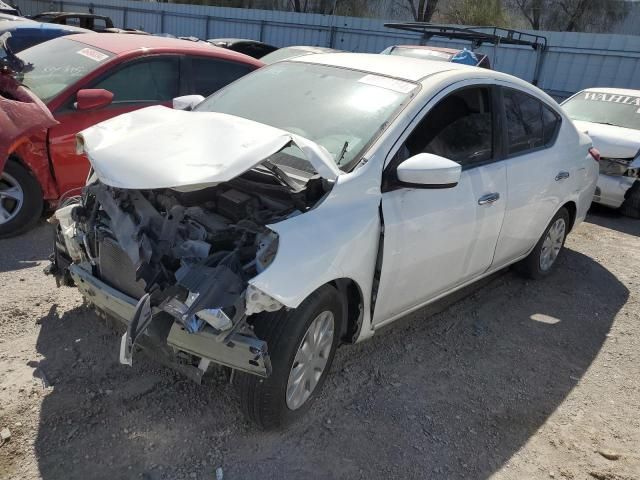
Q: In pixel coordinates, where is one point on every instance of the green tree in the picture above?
(477, 12)
(571, 15)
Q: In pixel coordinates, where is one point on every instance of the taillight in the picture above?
(595, 153)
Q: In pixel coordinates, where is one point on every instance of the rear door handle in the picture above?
(562, 176)
(488, 198)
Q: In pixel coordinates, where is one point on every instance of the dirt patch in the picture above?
(517, 380)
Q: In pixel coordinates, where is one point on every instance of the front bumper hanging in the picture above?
(237, 350)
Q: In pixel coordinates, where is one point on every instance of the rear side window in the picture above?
(151, 80)
(530, 123)
(209, 75)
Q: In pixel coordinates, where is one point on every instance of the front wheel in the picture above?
(21, 200)
(302, 344)
(542, 258)
(631, 205)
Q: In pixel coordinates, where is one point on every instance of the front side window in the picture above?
(459, 127)
(530, 123)
(210, 75)
(149, 80)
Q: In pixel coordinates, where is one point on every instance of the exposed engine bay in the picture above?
(185, 258)
(619, 167)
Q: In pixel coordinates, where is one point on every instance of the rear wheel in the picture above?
(302, 344)
(540, 261)
(20, 199)
(631, 205)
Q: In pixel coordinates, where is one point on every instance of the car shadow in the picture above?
(612, 219)
(452, 394)
(28, 249)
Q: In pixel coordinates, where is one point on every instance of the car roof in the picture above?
(14, 18)
(232, 41)
(452, 51)
(418, 70)
(69, 14)
(615, 91)
(31, 25)
(121, 44)
(405, 68)
(309, 48)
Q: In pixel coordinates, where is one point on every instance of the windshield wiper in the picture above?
(281, 175)
(342, 152)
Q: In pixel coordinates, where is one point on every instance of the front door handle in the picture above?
(488, 198)
(562, 176)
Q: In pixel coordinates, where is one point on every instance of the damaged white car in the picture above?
(310, 203)
(611, 117)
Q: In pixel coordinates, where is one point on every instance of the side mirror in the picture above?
(187, 102)
(426, 170)
(93, 98)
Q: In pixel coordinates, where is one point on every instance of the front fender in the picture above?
(33, 154)
(337, 239)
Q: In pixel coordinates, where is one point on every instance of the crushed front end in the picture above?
(174, 267)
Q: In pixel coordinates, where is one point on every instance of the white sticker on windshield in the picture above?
(389, 83)
(613, 98)
(93, 54)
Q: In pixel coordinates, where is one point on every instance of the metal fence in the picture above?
(573, 61)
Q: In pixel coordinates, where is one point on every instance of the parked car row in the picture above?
(361, 173)
(85, 79)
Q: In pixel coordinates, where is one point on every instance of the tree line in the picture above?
(559, 15)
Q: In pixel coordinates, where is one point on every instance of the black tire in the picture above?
(30, 211)
(631, 205)
(263, 400)
(530, 267)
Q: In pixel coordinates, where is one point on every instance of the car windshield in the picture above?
(54, 65)
(423, 53)
(342, 110)
(607, 108)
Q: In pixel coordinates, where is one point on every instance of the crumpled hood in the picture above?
(158, 147)
(611, 141)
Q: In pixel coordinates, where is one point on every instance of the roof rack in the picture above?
(479, 36)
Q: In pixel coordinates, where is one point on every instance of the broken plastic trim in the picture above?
(257, 301)
(235, 349)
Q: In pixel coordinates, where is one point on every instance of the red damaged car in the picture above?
(83, 80)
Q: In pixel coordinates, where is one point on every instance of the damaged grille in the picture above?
(117, 270)
(193, 252)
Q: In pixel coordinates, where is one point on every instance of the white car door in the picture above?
(539, 173)
(437, 238)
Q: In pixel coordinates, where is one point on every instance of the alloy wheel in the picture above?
(310, 360)
(11, 197)
(552, 244)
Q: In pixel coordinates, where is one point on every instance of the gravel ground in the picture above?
(515, 380)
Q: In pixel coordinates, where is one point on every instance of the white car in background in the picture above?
(310, 203)
(611, 117)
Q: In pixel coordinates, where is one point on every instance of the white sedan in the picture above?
(312, 202)
(611, 117)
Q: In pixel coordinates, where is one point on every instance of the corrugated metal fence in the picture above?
(573, 61)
